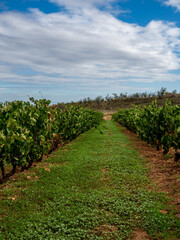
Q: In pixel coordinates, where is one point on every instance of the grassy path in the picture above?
(94, 188)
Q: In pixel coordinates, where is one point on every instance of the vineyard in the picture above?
(100, 185)
(28, 130)
(159, 126)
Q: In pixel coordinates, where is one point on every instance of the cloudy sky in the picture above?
(66, 50)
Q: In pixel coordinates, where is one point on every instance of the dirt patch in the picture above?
(108, 115)
(140, 235)
(32, 178)
(163, 171)
(104, 230)
(14, 198)
(105, 177)
(105, 170)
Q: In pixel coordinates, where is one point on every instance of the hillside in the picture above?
(114, 103)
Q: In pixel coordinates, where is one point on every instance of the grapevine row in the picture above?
(28, 130)
(159, 126)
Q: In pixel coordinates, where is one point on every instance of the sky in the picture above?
(67, 50)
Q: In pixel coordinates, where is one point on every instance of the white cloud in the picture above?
(90, 48)
(78, 6)
(71, 4)
(173, 3)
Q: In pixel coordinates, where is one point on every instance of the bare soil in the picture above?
(163, 171)
(108, 115)
(140, 235)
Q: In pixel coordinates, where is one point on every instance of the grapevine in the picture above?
(28, 130)
(159, 126)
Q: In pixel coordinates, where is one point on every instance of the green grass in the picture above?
(100, 192)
